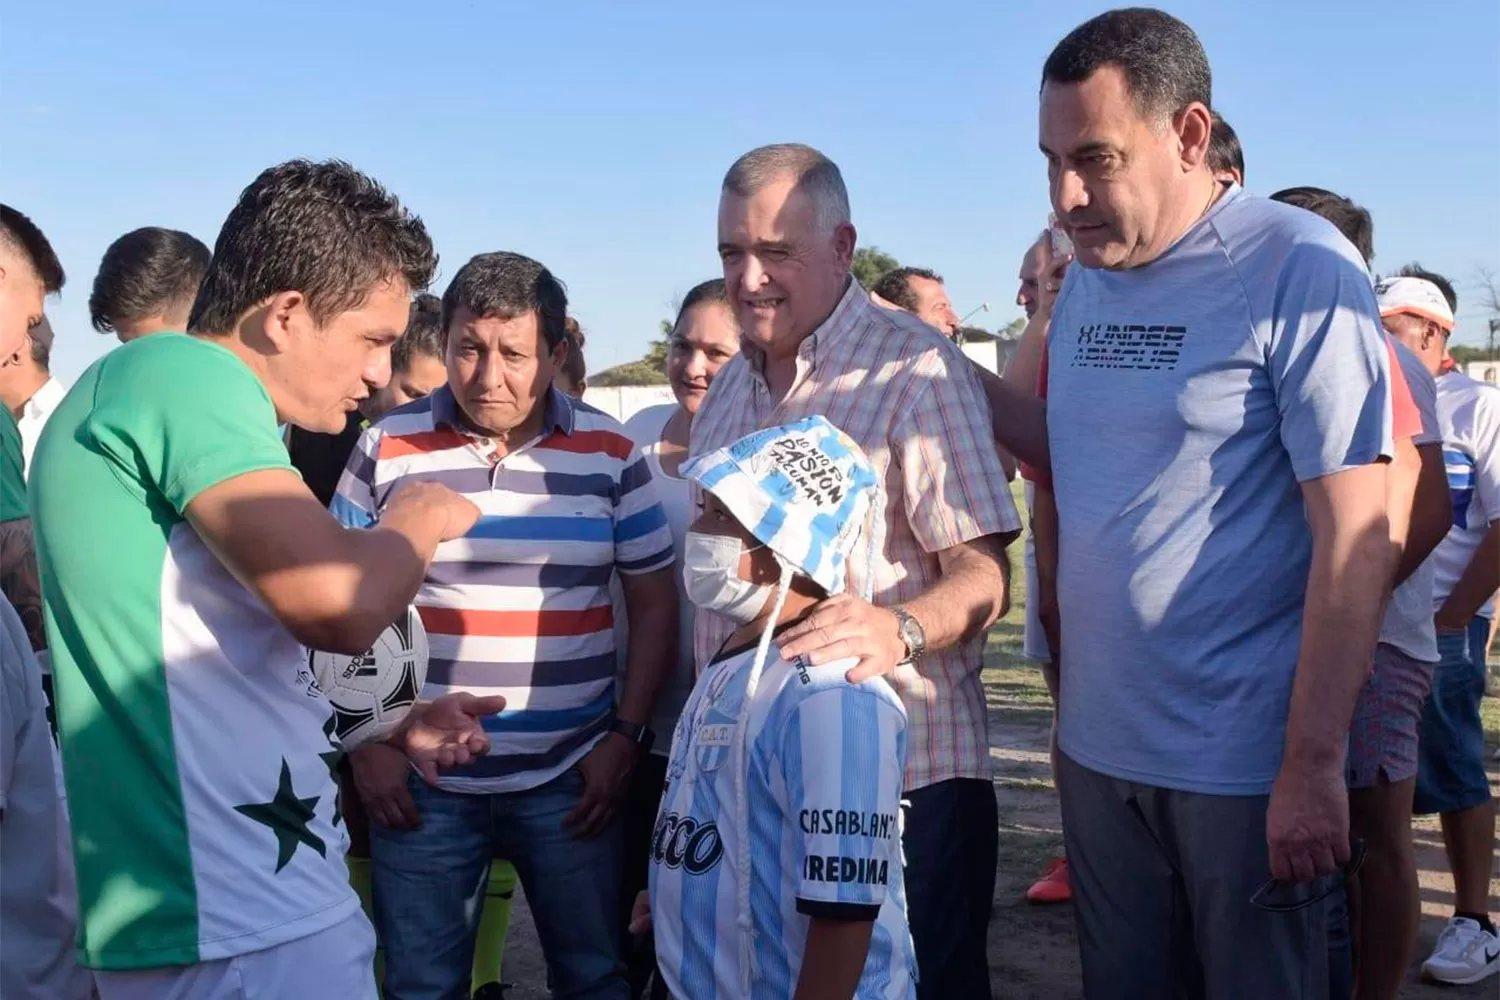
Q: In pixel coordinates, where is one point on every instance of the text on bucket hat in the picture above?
(804, 489)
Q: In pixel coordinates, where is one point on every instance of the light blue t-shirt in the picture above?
(1187, 399)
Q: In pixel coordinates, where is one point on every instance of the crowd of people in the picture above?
(707, 683)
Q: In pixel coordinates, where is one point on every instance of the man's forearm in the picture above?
(1347, 587)
(1044, 529)
(1019, 420)
(389, 564)
(1479, 582)
(972, 592)
(1431, 512)
(1025, 363)
(651, 654)
(833, 959)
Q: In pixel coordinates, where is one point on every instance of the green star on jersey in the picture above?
(287, 816)
(333, 757)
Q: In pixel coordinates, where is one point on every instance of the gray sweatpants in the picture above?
(1162, 881)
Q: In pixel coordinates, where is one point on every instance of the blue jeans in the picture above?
(429, 889)
(1340, 946)
(1450, 750)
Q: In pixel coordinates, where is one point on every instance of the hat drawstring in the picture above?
(749, 969)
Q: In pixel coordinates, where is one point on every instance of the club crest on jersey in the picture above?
(712, 743)
(713, 736)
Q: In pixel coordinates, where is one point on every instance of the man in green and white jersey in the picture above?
(186, 567)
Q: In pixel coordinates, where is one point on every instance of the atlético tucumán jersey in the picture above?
(825, 761)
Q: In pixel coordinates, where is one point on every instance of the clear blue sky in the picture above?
(593, 136)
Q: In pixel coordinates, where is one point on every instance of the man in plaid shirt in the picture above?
(814, 344)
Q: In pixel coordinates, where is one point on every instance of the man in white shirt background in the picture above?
(28, 388)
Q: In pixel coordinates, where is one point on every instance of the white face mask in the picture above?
(711, 578)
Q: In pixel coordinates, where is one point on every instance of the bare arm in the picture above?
(1026, 362)
(972, 592)
(833, 959)
(1307, 823)
(1044, 530)
(1019, 419)
(970, 595)
(333, 588)
(651, 609)
(1480, 580)
(1346, 592)
(1431, 508)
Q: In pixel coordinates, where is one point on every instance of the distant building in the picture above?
(990, 352)
(1484, 371)
(624, 401)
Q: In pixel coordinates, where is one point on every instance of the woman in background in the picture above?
(573, 377)
(704, 339)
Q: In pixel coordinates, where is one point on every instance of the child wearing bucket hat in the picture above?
(776, 859)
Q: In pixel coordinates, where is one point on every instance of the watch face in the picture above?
(911, 634)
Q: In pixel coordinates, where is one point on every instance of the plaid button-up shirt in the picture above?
(914, 404)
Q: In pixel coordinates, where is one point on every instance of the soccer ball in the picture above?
(372, 692)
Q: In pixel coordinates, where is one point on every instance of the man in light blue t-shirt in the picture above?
(1218, 420)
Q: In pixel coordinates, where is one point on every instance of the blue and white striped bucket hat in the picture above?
(804, 489)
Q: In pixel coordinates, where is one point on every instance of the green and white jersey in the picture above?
(196, 748)
(12, 475)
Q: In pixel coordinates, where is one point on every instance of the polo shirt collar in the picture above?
(560, 413)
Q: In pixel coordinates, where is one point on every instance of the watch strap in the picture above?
(636, 732)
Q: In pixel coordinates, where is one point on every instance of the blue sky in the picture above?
(593, 136)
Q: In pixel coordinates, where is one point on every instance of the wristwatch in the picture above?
(911, 633)
(636, 732)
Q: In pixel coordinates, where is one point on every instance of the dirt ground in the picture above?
(1033, 954)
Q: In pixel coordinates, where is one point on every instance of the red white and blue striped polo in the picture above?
(520, 606)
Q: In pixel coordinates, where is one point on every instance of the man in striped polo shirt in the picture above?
(520, 605)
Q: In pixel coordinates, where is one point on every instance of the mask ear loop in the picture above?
(749, 970)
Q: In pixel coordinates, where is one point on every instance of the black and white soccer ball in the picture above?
(372, 692)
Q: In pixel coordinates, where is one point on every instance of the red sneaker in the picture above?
(1053, 886)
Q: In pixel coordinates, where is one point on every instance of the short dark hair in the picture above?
(1415, 270)
(1224, 151)
(323, 229)
(26, 238)
(710, 292)
(508, 285)
(423, 336)
(574, 366)
(895, 286)
(1347, 217)
(1164, 65)
(144, 273)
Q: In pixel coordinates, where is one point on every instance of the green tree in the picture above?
(1012, 329)
(1463, 354)
(649, 370)
(630, 373)
(870, 265)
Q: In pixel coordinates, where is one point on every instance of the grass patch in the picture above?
(1025, 850)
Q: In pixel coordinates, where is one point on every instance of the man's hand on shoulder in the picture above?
(845, 627)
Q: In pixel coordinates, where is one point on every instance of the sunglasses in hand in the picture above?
(1289, 897)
